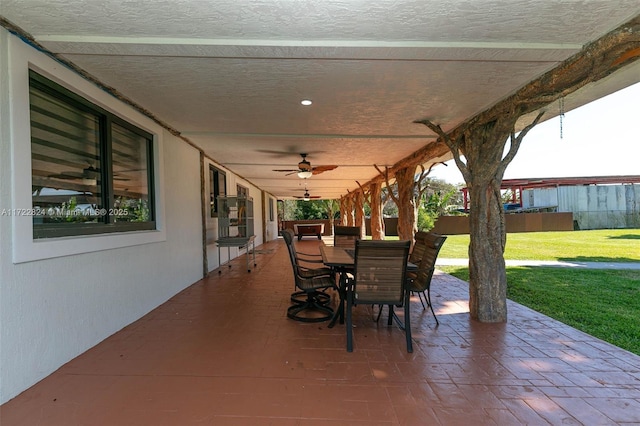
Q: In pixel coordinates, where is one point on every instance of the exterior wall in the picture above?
(593, 206)
(390, 226)
(517, 222)
(78, 291)
(544, 197)
(602, 206)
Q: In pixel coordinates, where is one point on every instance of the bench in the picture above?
(316, 229)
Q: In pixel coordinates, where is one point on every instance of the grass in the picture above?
(602, 303)
(602, 245)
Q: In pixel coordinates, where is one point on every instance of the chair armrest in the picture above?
(305, 272)
(302, 259)
(308, 254)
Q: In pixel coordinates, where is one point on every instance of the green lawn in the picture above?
(603, 303)
(602, 245)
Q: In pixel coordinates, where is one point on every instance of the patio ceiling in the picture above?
(229, 75)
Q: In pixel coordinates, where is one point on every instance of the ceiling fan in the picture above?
(306, 196)
(305, 170)
(89, 175)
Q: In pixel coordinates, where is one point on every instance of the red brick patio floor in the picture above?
(222, 352)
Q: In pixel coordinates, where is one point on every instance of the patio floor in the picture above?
(222, 352)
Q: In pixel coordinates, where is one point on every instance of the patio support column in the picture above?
(348, 212)
(483, 146)
(359, 212)
(407, 207)
(343, 211)
(377, 221)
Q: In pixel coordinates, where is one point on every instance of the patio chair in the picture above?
(419, 246)
(346, 236)
(311, 282)
(419, 281)
(306, 260)
(380, 279)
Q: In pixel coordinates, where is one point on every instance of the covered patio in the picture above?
(223, 352)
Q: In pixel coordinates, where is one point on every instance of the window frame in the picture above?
(106, 120)
(242, 191)
(22, 57)
(271, 209)
(214, 188)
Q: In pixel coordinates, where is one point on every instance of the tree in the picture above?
(332, 208)
(314, 209)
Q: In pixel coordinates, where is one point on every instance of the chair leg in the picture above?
(380, 308)
(428, 295)
(420, 294)
(296, 310)
(349, 324)
(300, 297)
(407, 323)
(391, 315)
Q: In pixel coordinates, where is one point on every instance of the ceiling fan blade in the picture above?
(319, 169)
(285, 170)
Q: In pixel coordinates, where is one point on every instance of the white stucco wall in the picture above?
(57, 306)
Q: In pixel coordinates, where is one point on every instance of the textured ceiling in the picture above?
(230, 74)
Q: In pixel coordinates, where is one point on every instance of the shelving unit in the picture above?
(235, 227)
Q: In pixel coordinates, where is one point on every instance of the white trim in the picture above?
(180, 41)
(25, 248)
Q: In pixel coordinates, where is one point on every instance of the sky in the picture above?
(601, 138)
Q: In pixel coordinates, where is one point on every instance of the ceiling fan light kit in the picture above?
(305, 170)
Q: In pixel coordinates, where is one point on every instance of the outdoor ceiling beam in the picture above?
(595, 61)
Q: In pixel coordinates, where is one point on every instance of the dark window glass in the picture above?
(91, 171)
(242, 191)
(218, 188)
(130, 175)
(271, 209)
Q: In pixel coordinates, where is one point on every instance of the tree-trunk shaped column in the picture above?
(377, 221)
(343, 209)
(349, 221)
(359, 212)
(407, 209)
(483, 146)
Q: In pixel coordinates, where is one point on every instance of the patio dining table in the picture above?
(342, 261)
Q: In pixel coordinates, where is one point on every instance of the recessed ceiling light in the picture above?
(306, 102)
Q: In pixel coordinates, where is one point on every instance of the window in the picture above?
(242, 191)
(217, 188)
(271, 209)
(91, 171)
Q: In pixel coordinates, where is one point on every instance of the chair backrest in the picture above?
(380, 271)
(419, 246)
(432, 244)
(288, 236)
(305, 280)
(346, 236)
